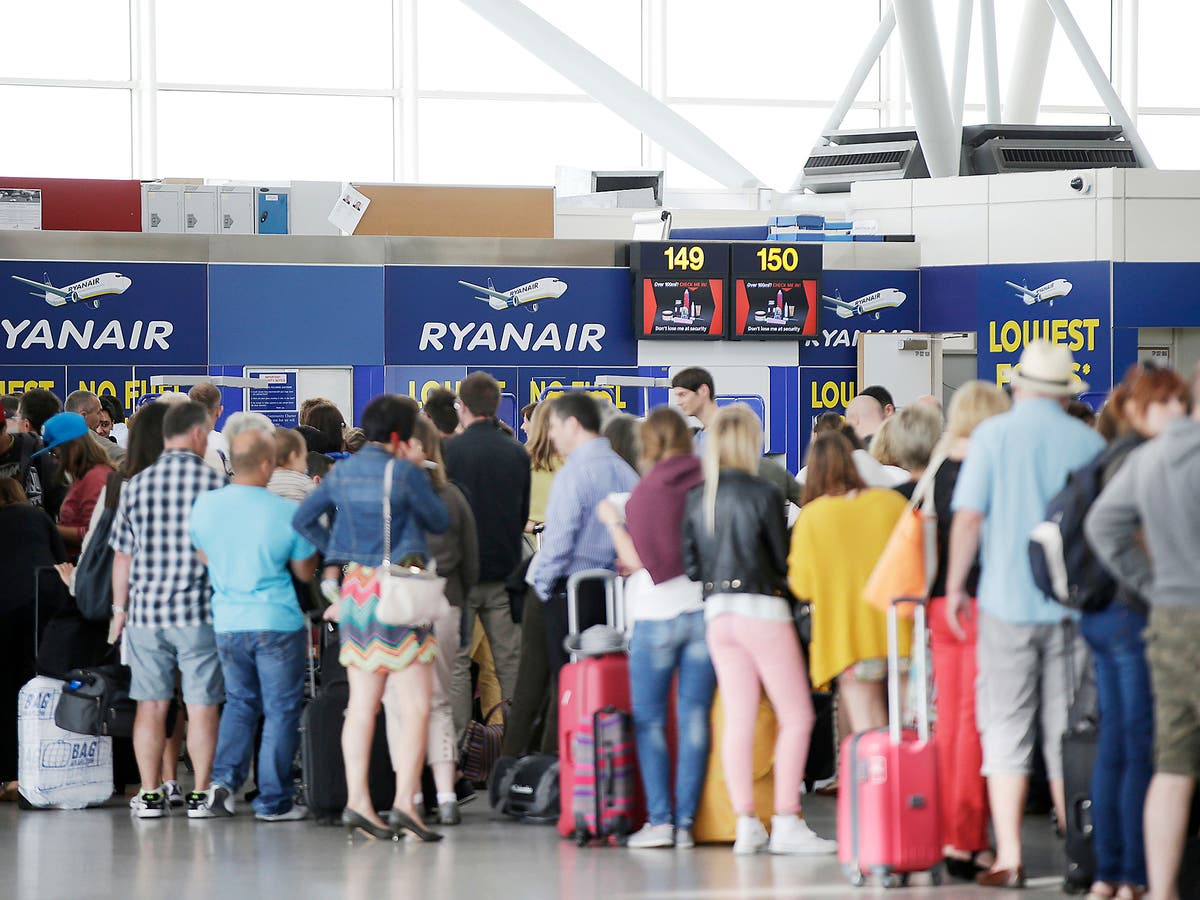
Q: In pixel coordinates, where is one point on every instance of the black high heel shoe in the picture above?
(357, 822)
(963, 869)
(398, 820)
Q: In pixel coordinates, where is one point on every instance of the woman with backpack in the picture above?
(1144, 403)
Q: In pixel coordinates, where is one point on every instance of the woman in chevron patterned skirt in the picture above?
(374, 653)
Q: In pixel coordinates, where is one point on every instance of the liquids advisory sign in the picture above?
(1065, 303)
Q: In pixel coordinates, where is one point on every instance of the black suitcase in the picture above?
(1079, 759)
(822, 749)
(322, 766)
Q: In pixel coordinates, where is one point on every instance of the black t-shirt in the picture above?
(943, 493)
(39, 478)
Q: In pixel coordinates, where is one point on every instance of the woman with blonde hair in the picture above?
(735, 545)
(964, 790)
(544, 462)
(839, 536)
(668, 641)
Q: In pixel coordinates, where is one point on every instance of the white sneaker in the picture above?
(295, 814)
(174, 794)
(652, 836)
(751, 836)
(684, 839)
(148, 805)
(791, 834)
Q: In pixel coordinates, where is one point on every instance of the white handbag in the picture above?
(407, 595)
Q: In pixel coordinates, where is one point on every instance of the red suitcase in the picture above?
(889, 822)
(587, 686)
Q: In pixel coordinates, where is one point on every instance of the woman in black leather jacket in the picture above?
(735, 545)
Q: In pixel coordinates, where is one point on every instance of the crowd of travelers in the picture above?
(219, 535)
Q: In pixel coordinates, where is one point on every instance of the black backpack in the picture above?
(93, 574)
(1064, 566)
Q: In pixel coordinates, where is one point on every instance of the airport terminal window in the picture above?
(519, 142)
(1172, 140)
(78, 39)
(347, 44)
(275, 136)
(739, 130)
(461, 51)
(101, 119)
(1166, 38)
(760, 49)
(1066, 84)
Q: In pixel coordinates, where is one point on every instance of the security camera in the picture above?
(1081, 184)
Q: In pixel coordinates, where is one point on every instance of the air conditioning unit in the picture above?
(868, 154)
(1000, 149)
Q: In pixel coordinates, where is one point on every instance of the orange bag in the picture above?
(908, 564)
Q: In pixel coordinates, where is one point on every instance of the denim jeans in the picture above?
(264, 676)
(657, 650)
(1126, 741)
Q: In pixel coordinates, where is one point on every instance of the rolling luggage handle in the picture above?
(920, 669)
(613, 602)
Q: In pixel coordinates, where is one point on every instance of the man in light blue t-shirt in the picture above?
(244, 536)
(1016, 462)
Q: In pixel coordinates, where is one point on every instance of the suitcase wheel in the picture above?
(582, 834)
(895, 880)
(937, 875)
(855, 876)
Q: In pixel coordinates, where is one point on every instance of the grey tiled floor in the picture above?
(104, 853)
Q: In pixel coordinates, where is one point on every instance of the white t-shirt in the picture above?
(871, 471)
(647, 601)
(752, 606)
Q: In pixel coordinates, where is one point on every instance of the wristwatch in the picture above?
(119, 609)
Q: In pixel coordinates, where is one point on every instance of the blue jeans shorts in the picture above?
(156, 654)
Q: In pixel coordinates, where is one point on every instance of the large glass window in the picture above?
(1167, 40)
(289, 43)
(519, 142)
(274, 137)
(459, 50)
(65, 132)
(87, 40)
(1066, 82)
(1173, 141)
(764, 49)
(772, 142)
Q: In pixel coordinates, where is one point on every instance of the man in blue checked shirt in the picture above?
(575, 539)
(162, 603)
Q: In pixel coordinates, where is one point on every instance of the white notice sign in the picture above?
(20, 209)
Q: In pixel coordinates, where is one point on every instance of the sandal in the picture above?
(1101, 890)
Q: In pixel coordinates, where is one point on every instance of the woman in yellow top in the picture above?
(840, 534)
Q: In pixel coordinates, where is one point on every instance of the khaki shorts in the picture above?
(1022, 683)
(1173, 651)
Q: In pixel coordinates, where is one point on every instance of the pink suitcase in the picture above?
(588, 686)
(889, 819)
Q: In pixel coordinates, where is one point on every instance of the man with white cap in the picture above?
(1017, 462)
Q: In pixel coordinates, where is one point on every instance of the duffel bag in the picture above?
(96, 701)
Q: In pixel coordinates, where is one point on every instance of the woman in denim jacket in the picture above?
(374, 653)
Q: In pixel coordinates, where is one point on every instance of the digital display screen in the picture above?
(777, 291)
(680, 290)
